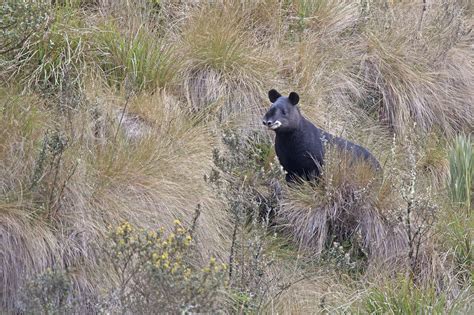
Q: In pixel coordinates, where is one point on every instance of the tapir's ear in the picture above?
(294, 98)
(273, 95)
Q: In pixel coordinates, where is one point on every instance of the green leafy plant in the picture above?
(246, 175)
(47, 293)
(20, 21)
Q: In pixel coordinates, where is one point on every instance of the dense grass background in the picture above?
(148, 112)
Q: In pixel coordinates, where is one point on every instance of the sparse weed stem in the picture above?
(47, 183)
(246, 165)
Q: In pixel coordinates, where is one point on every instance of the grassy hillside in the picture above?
(135, 174)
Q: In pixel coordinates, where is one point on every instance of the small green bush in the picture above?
(19, 22)
(52, 54)
(47, 293)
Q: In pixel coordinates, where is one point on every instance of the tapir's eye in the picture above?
(283, 112)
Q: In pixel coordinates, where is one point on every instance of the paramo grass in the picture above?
(119, 117)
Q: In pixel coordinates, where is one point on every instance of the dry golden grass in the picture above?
(410, 77)
(149, 181)
(111, 111)
(350, 204)
(224, 65)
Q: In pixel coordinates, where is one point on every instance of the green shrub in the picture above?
(47, 293)
(54, 51)
(245, 175)
(20, 21)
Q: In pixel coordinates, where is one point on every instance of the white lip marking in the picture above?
(275, 125)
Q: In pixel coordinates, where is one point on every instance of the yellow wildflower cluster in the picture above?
(164, 253)
(213, 266)
(169, 251)
(124, 229)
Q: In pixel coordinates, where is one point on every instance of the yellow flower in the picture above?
(175, 268)
(187, 273)
(177, 222)
(212, 261)
(154, 256)
(164, 256)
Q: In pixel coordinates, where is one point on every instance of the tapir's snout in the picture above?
(267, 122)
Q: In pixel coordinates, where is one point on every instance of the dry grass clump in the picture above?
(408, 65)
(319, 290)
(77, 184)
(348, 205)
(224, 68)
(328, 19)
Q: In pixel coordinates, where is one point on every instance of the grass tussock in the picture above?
(401, 69)
(150, 111)
(224, 67)
(461, 165)
(351, 202)
(140, 57)
(86, 184)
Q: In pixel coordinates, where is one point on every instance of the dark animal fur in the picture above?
(299, 144)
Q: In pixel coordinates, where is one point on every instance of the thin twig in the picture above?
(121, 118)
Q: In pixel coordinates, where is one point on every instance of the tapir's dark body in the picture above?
(299, 144)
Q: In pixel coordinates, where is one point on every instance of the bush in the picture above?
(47, 293)
(153, 272)
(54, 49)
(20, 21)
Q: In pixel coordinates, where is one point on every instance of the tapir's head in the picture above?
(283, 115)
